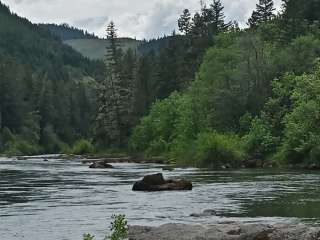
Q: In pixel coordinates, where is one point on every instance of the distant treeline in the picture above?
(66, 32)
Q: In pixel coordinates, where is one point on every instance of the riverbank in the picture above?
(125, 158)
(107, 158)
(140, 159)
(226, 231)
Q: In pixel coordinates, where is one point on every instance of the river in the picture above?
(61, 200)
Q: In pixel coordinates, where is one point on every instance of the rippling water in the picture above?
(61, 200)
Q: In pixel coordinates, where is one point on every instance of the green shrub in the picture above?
(119, 228)
(314, 155)
(51, 142)
(259, 142)
(302, 133)
(15, 145)
(157, 129)
(213, 149)
(88, 237)
(157, 147)
(82, 146)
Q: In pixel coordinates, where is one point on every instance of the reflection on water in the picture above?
(63, 199)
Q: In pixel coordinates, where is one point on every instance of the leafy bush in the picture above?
(213, 149)
(119, 228)
(259, 142)
(14, 145)
(51, 142)
(82, 146)
(302, 134)
(21, 147)
(88, 237)
(157, 129)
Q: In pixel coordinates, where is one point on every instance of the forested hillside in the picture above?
(254, 96)
(95, 49)
(67, 32)
(49, 97)
(212, 95)
(46, 89)
(87, 44)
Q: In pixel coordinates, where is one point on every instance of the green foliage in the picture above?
(88, 237)
(42, 83)
(156, 130)
(258, 84)
(15, 145)
(82, 146)
(51, 141)
(213, 149)
(260, 142)
(119, 228)
(21, 147)
(301, 133)
(65, 32)
(245, 123)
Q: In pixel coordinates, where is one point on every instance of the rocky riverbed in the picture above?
(226, 231)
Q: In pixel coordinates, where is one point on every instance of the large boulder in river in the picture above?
(156, 182)
(100, 164)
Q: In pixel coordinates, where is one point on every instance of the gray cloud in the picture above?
(134, 18)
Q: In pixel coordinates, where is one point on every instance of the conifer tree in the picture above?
(115, 97)
(263, 13)
(198, 26)
(218, 18)
(184, 22)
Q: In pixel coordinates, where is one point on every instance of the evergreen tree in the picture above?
(184, 22)
(115, 97)
(263, 13)
(218, 23)
(198, 26)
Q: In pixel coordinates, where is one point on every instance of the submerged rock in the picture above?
(156, 182)
(312, 166)
(100, 164)
(251, 163)
(168, 168)
(205, 213)
(233, 231)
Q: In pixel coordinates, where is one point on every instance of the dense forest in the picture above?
(50, 94)
(66, 32)
(47, 95)
(254, 99)
(211, 95)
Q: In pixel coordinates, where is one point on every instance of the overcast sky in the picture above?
(133, 18)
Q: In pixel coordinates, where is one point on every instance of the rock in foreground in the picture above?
(232, 231)
(156, 182)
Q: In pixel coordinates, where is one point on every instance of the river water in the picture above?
(61, 200)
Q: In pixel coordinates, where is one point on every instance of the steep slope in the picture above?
(67, 32)
(95, 48)
(85, 43)
(46, 88)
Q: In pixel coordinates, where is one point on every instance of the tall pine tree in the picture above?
(218, 23)
(263, 13)
(184, 22)
(115, 97)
